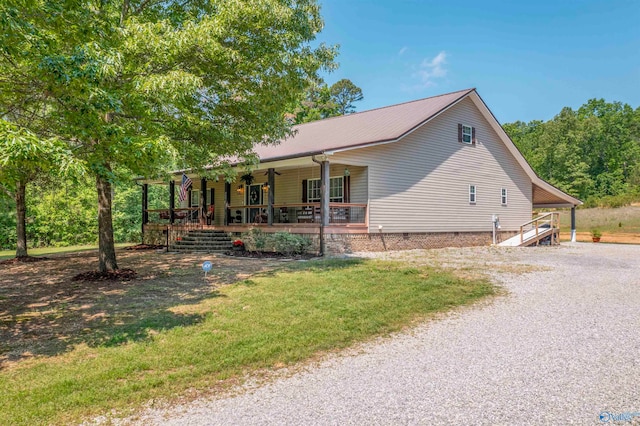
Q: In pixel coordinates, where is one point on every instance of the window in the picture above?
(503, 196)
(466, 134)
(336, 190)
(472, 194)
(313, 190)
(195, 198)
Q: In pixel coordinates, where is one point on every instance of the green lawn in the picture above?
(271, 320)
(43, 251)
(612, 220)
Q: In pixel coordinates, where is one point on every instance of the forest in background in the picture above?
(592, 153)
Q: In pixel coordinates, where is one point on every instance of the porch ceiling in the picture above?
(278, 165)
(547, 196)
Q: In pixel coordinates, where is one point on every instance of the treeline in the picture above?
(592, 153)
(64, 213)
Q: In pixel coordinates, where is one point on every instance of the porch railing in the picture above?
(339, 213)
(180, 216)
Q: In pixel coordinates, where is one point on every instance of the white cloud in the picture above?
(404, 49)
(431, 69)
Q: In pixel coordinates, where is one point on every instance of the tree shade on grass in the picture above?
(263, 322)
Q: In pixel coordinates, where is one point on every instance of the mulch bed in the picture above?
(268, 255)
(25, 259)
(117, 275)
(146, 247)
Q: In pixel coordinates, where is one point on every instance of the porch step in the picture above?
(207, 241)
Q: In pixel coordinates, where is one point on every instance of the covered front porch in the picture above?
(299, 195)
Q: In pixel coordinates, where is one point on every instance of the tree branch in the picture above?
(124, 12)
(6, 191)
(142, 6)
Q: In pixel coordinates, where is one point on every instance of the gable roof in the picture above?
(392, 123)
(379, 125)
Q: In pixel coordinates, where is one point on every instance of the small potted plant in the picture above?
(238, 245)
(596, 235)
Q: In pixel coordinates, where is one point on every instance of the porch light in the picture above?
(240, 189)
(265, 187)
(346, 171)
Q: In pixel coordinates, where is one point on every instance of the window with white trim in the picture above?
(503, 196)
(195, 197)
(336, 190)
(467, 134)
(472, 194)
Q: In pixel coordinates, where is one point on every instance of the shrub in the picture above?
(281, 242)
(255, 240)
(289, 244)
(612, 201)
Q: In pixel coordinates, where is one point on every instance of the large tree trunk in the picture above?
(106, 246)
(21, 223)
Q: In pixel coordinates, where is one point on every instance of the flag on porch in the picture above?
(186, 184)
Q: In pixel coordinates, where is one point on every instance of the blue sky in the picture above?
(528, 59)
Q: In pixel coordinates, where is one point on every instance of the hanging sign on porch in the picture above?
(206, 267)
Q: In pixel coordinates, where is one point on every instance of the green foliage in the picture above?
(280, 242)
(132, 85)
(289, 244)
(60, 214)
(596, 233)
(135, 84)
(344, 94)
(321, 101)
(255, 240)
(7, 223)
(592, 153)
(612, 201)
(127, 213)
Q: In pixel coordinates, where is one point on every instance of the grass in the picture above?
(271, 320)
(609, 220)
(43, 251)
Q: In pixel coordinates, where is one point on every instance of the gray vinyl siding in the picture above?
(421, 183)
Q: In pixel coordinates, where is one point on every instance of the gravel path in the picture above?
(561, 348)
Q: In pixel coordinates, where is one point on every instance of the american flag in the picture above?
(186, 183)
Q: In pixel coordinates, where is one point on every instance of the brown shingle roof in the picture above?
(363, 128)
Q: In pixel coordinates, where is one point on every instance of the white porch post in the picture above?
(573, 224)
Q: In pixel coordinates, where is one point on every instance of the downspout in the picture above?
(313, 158)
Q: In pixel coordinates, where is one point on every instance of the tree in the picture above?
(317, 104)
(133, 85)
(345, 93)
(321, 101)
(24, 157)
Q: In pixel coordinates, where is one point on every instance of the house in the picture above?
(433, 172)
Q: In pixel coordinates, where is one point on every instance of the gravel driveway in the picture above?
(562, 347)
